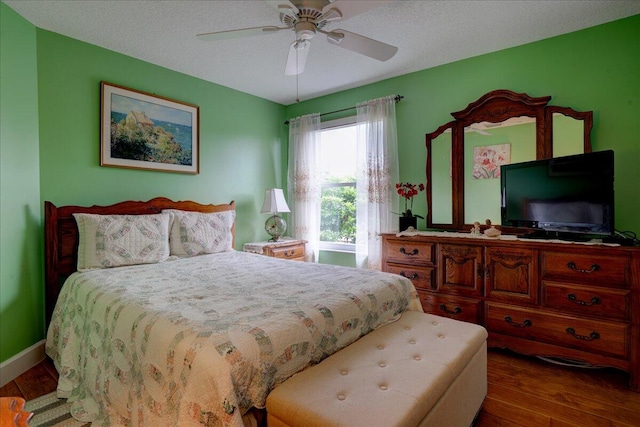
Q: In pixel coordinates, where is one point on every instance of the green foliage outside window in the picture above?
(338, 213)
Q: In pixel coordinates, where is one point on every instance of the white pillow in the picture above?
(195, 233)
(117, 240)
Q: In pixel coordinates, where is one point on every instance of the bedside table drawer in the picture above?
(295, 252)
(288, 248)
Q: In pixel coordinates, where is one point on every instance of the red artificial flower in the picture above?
(408, 190)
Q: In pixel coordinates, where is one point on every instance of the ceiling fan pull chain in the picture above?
(297, 76)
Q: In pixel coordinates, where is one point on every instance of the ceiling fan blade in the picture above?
(330, 15)
(350, 8)
(244, 32)
(361, 44)
(298, 52)
(283, 6)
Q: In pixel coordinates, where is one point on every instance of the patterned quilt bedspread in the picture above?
(199, 341)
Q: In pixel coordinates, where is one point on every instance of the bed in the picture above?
(194, 339)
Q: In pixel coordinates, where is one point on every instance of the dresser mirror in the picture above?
(463, 155)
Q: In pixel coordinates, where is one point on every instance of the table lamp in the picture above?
(275, 203)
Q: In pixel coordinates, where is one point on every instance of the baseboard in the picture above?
(21, 362)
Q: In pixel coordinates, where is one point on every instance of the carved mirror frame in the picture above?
(494, 107)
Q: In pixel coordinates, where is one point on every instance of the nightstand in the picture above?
(285, 248)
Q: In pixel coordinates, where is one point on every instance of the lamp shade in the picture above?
(274, 201)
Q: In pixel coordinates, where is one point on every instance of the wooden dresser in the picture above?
(570, 301)
(285, 248)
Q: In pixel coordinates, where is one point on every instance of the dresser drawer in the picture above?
(603, 337)
(597, 269)
(406, 251)
(587, 300)
(294, 252)
(465, 309)
(421, 277)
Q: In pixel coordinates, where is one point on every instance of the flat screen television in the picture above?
(563, 197)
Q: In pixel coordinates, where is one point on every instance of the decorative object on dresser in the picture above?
(285, 248)
(571, 301)
(407, 191)
(275, 203)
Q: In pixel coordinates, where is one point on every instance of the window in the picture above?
(338, 152)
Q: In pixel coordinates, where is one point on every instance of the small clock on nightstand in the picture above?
(275, 227)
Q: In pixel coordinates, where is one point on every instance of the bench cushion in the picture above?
(390, 377)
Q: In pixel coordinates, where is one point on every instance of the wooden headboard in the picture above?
(61, 235)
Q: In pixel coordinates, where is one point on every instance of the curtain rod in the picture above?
(398, 98)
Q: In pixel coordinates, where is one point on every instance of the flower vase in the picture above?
(408, 221)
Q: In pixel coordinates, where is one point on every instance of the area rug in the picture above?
(49, 411)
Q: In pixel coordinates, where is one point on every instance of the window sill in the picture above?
(337, 247)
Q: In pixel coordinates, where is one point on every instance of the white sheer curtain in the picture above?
(304, 181)
(377, 175)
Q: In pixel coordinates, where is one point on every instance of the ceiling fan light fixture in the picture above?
(305, 30)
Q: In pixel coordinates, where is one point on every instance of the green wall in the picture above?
(21, 290)
(594, 69)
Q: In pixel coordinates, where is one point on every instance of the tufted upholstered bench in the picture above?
(422, 370)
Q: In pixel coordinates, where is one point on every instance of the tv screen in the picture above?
(572, 194)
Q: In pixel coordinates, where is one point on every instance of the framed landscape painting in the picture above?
(141, 130)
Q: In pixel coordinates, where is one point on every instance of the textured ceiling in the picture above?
(427, 33)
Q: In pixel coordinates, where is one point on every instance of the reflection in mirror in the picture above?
(569, 131)
(567, 135)
(486, 147)
(441, 182)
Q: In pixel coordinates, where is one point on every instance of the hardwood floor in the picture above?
(523, 391)
(37, 381)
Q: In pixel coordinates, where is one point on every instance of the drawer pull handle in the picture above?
(483, 272)
(404, 251)
(572, 266)
(290, 253)
(527, 323)
(592, 336)
(414, 276)
(594, 300)
(456, 310)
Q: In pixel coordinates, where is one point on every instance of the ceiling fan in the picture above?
(307, 18)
